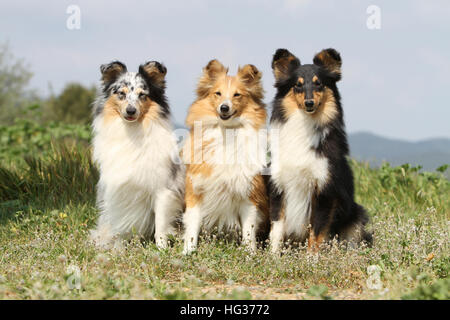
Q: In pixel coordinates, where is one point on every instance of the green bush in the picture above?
(29, 138)
(72, 105)
(439, 290)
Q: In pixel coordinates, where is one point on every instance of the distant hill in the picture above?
(430, 153)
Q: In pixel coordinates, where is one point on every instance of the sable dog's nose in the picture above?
(130, 110)
(309, 104)
(224, 108)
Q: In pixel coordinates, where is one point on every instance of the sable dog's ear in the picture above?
(330, 60)
(283, 63)
(251, 76)
(154, 74)
(110, 72)
(213, 70)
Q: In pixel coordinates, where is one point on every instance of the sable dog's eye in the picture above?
(237, 94)
(121, 95)
(218, 93)
(142, 96)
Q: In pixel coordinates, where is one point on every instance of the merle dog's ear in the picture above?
(111, 71)
(154, 73)
(330, 60)
(251, 76)
(283, 63)
(213, 70)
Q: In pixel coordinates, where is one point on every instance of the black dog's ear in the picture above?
(283, 63)
(330, 60)
(154, 73)
(111, 71)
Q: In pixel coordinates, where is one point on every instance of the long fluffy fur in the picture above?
(220, 191)
(311, 182)
(141, 182)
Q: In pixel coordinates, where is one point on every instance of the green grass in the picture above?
(47, 206)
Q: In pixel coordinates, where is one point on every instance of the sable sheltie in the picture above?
(311, 186)
(140, 191)
(223, 156)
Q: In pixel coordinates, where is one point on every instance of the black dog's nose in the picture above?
(131, 110)
(224, 108)
(309, 104)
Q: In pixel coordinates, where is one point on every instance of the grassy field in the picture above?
(47, 206)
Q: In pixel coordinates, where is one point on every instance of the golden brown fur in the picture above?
(247, 83)
(243, 93)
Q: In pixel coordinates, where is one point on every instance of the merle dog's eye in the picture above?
(218, 93)
(237, 94)
(121, 95)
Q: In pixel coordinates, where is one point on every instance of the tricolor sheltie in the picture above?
(223, 156)
(311, 180)
(140, 191)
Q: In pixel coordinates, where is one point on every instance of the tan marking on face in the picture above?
(292, 102)
(111, 109)
(315, 78)
(326, 109)
(191, 198)
(114, 106)
(150, 111)
(301, 80)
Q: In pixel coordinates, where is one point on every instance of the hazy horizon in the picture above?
(395, 81)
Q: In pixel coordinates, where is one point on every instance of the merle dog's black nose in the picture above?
(309, 104)
(130, 110)
(224, 108)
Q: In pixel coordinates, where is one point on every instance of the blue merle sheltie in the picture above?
(140, 191)
(312, 192)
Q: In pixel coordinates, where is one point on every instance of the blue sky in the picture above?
(395, 79)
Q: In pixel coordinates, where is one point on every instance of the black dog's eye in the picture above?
(218, 93)
(299, 85)
(317, 82)
(121, 95)
(237, 94)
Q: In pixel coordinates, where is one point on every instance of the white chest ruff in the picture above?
(135, 164)
(297, 169)
(235, 162)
